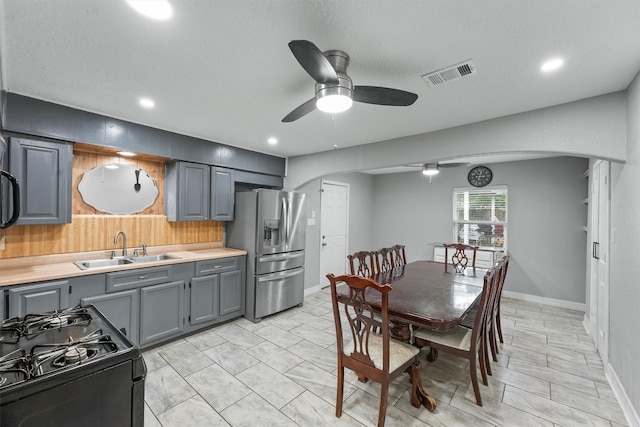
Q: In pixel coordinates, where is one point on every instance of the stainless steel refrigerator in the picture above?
(270, 225)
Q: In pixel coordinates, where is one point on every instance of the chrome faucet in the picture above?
(124, 241)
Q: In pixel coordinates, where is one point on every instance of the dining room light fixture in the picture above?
(333, 99)
(430, 169)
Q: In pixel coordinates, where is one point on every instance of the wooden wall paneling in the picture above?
(94, 231)
(82, 162)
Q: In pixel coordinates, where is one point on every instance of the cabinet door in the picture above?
(43, 170)
(121, 308)
(222, 194)
(38, 298)
(187, 191)
(231, 293)
(161, 311)
(204, 299)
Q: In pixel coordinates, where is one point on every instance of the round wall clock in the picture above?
(480, 176)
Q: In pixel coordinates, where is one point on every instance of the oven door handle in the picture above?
(16, 200)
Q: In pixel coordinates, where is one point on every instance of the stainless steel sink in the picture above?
(152, 258)
(98, 263)
(114, 262)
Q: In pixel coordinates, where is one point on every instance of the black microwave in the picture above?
(9, 193)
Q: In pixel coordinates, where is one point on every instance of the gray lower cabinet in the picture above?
(151, 304)
(43, 169)
(121, 308)
(217, 291)
(231, 293)
(38, 298)
(204, 299)
(161, 311)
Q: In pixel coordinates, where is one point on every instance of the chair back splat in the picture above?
(384, 260)
(363, 263)
(398, 255)
(458, 254)
(369, 354)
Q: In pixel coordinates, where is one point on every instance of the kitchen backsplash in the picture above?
(93, 231)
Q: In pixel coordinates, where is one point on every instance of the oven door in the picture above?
(107, 398)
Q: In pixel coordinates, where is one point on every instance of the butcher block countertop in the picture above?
(14, 271)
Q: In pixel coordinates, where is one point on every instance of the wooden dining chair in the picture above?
(459, 256)
(398, 255)
(363, 263)
(495, 330)
(371, 355)
(384, 260)
(464, 342)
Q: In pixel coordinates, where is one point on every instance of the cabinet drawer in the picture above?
(213, 266)
(131, 279)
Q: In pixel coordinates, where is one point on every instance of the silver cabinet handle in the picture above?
(143, 277)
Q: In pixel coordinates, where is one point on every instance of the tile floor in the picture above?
(281, 372)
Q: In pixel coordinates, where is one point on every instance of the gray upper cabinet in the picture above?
(187, 191)
(43, 170)
(197, 192)
(222, 194)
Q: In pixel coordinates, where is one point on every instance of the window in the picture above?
(480, 216)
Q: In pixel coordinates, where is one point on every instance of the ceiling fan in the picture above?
(334, 90)
(433, 168)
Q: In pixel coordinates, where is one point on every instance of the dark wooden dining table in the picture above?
(428, 296)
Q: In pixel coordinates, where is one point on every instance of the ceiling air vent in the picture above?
(448, 74)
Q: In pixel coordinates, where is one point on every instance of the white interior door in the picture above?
(603, 262)
(334, 220)
(599, 277)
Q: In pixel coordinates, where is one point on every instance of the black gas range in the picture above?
(69, 368)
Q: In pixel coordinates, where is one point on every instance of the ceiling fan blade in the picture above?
(301, 110)
(313, 61)
(453, 165)
(383, 96)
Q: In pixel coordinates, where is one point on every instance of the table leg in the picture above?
(400, 331)
(433, 354)
(418, 394)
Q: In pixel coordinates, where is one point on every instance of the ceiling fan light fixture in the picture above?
(333, 99)
(430, 169)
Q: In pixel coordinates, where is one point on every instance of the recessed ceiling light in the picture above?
(154, 9)
(147, 103)
(111, 166)
(272, 140)
(126, 153)
(552, 65)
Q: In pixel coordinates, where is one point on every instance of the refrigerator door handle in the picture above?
(283, 222)
(288, 223)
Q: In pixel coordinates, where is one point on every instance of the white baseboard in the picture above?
(625, 403)
(543, 300)
(312, 290)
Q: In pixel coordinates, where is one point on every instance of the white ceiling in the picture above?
(222, 70)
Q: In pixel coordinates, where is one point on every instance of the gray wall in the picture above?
(546, 218)
(624, 282)
(361, 191)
